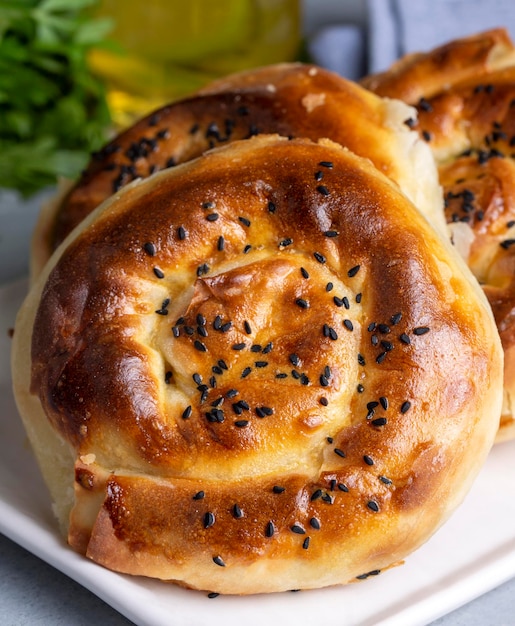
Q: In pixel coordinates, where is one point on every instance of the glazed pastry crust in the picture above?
(266, 371)
(464, 93)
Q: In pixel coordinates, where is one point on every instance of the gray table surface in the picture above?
(34, 593)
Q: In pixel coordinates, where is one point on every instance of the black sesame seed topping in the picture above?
(218, 561)
(381, 357)
(420, 330)
(237, 512)
(305, 543)
(198, 345)
(405, 406)
(199, 495)
(209, 519)
(380, 421)
(396, 318)
(385, 480)
(368, 460)
(150, 248)
(294, 359)
(187, 412)
(270, 529)
(247, 328)
(244, 221)
(373, 506)
(348, 325)
(340, 452)
(329, 287)
(304, 272)
(220, 244)
(181, 233)
(331, 233)
(246, 372)
(158, 272)
(271, 207)
(327, 164)
(353, 271)
(278, 489)
(319, 257)
(302, 303)
(297, 529)
(314, 523)
(404, 338)
(322, 189)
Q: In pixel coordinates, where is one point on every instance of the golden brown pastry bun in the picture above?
(464, 92)
(257, 371)
(293, 100)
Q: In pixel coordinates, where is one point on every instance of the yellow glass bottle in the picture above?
(166, 49)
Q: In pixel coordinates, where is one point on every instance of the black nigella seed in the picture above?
(241, 423)
(348, 324)
(244, 221)
(360, 388)
(327, 164)
(220, 244)
(384, 402)
(331, 233)
(246, 372)
(208, 205)
(268, 348)
(303, 304)
(373, 506)
(328, 331)
(304, 272)
(271, 207)
(238, 346)
(361, 359)
(316, 495)
(158, 272)
(285, 242)
(181, 233)
(385, 480)
(260, 363)
(212, 594)
(198, 345)
(294, 359)
(314, 523)
(359, 297)
(319, 257)
(420, 330)
(270, 529)
(368, 460)
(305, 543)
(209, 519)
(247, 327)
(396, 318)
(383, 328)
(374, 572)
(353, 271)
(339, 452)
(218, 561)
(237, 512)
(150, 248)
(381, 357)
(329, 287)
(322, 189)
(319, 175)
(297, 529)
(278, 489)
(324, 401)
(212, 217)
(187, 412)
(380, 421)
(404, 338)
(199, 495)
(343, 487)
(323, 381)
(405, 406)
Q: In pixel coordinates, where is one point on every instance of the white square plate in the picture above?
(473, 553)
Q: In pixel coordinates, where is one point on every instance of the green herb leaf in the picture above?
(53, 111)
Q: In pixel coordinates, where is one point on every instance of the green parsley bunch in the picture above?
(53, 111)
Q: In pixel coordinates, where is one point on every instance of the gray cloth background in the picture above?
(397, 27)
